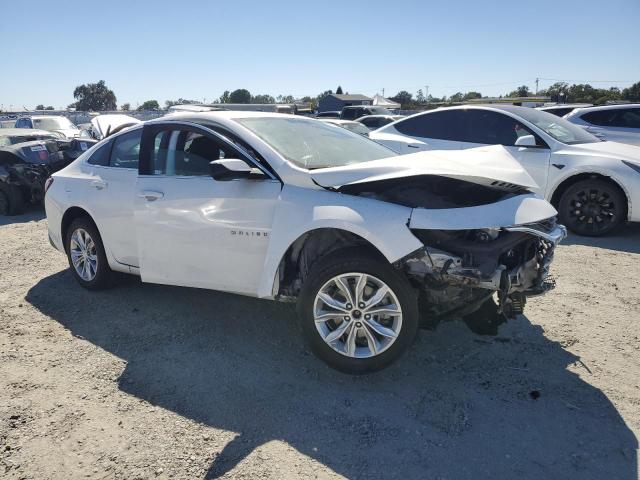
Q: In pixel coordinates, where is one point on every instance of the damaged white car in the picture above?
(288, 208)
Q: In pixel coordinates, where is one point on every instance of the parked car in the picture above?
(355, 127)
(53, 123)
(592, 183)
(618, 123)
(561, 109)
(356, 111)
(328, 114)
(289, 208)
(8, 123)
(27, 158)
(376, 121)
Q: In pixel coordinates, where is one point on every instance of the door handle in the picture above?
(150, 195)
(413, 145)
(99, 184)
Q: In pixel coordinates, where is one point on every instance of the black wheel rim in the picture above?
(592, 210)
(4, 204)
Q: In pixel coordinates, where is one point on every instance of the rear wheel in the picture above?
(357, 313)
(592, 207)
(86, 255)
(11, 201)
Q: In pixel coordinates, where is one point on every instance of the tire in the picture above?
(349, 265)
(592, 207)
(11, 201)
(95, 255)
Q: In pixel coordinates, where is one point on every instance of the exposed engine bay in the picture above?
(459, 271)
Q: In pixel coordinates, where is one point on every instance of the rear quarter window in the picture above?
(101, 155)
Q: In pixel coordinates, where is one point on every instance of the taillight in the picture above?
(47, 184)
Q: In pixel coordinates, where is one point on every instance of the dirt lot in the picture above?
(147, 381)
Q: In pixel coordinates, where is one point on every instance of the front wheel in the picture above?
(592, 207)
(357, 313)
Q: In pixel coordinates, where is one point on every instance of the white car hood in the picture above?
(615, 150)
(477, 165)
(68, 132)
(108, 123)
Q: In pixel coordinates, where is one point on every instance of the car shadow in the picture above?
(624, 239)
(32, 213)
(458, 405)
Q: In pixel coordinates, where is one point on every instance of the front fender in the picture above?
(302, 210)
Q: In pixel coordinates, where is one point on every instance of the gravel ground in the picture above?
(147, 381)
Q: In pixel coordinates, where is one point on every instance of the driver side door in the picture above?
(195, 231)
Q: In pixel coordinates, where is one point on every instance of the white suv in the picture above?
(289, 208)
(618, 123)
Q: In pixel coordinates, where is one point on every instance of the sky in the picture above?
(191, 49)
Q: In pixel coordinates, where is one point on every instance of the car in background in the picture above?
(7, 123)
(594, 184)
(376, 121)
(353, 112)
(53, 123)
(27, 158)
(288, 208)
(561, 109)
(617, 123)
(355, 127)
(328, 114)
(104, 125)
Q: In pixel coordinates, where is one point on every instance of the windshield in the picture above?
(314, 144)
(355, 127)
(30, 138)
(53, 123)
(560, 129)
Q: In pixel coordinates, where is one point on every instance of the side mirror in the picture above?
(231, 169)
(526, 141)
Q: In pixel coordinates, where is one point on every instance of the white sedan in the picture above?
(289, 208)
(618, 123)
(594, 184)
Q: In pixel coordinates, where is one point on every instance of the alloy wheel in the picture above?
(357, 315)
(84, 256)
(592, 210)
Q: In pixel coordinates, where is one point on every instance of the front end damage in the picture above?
(458, 271)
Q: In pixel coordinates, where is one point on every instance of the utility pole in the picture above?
(426, 93)
(537, 80)
(383, 91)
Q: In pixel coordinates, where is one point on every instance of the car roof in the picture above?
(607, 107)
(41, 116)
(9, 132)
(226, 114)
(337, 121)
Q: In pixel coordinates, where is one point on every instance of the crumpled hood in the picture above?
(475, 165)
(108, 123)
(615, 150)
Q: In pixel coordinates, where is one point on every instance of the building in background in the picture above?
(335, 102)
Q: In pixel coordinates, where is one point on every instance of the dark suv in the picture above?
(356, 111)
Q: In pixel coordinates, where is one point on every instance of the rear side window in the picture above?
(629, 118)
(126, 150)
(101, 155)
(602, 118)
(444, 125)
(492, 128)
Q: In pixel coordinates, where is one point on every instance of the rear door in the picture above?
(487, 127)
(438, 130)
(193, 230)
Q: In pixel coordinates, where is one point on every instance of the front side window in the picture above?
(440, 125)
(186, 153)
(101, 155)
(492, 128)
(126, 150)
(314, 144)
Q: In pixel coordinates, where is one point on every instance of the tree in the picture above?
(180, 101)
(94, 97)
(456, 97)
(632, 93)
(556, 91)
(472, 95)
(241, 95)
(40, 107)
(522, 91)
(403, 97)
(149, 105)
(125, 107)
(420, 97)
(262, 99)
(286, 99)
(339, 90)
(224, 98)
(49, 108)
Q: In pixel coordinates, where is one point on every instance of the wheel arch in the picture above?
(308, 248)
(71, 214)
(578, 177)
